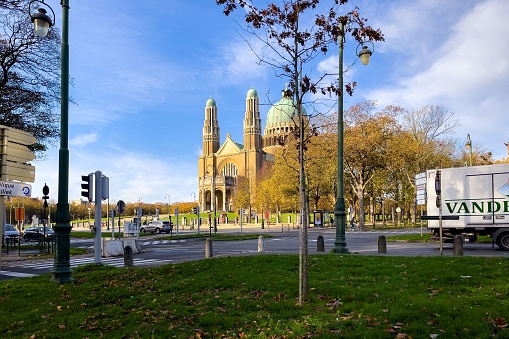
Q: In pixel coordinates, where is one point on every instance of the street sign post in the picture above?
(420, 188)
(16, 155)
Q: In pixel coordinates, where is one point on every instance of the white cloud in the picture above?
(468, 73)
(84, 139)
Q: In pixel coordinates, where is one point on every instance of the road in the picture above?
(157, 251)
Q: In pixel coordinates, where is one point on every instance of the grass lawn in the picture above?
(256, 297)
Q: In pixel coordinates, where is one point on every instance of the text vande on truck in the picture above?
(478, 196)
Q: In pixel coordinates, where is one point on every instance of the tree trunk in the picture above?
(360, 194)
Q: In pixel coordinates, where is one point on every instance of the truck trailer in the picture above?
(469, 201)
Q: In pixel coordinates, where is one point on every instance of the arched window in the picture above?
(229, 170)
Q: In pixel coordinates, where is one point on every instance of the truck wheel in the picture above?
(503, 241)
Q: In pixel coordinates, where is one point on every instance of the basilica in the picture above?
(221, 163)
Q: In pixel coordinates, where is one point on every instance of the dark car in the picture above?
(38, 232)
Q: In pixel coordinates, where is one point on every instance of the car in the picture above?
(10, 232)
(38, 232)
(157, 226)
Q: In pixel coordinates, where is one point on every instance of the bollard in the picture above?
(128, 256)
(261, 246)
(382, 245)
(208, 248)
(320, 245)
(457, 246)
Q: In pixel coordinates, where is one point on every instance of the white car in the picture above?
(157, 226)
(10, 232)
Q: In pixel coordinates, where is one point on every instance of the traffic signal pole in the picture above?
(98, 215)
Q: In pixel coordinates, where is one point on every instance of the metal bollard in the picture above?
(320, 245)
(261, 245)
(457, 245)
(382, 244)
(128, 256)
(208, 248)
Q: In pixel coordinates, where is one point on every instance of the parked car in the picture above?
(37, 232)
(157, 226)
(10, 232)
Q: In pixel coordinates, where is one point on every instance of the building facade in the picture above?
(220, 165)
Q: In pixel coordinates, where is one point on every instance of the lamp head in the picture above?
(365, 54)
(42, 22)
(468, 143)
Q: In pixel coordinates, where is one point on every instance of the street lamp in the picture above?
(468, 146)
(61, 271)
(339, 208)
(213, 195)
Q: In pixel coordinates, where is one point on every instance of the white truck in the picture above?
(473, 201)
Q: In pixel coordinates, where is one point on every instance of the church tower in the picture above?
(210, 128)
(252, 122)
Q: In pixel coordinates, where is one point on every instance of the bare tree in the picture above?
(29, 75)
(293, 45)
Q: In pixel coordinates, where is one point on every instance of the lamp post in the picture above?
(169, 208)
(213, 195)
(61, 271)
(468, 145)
(339, 208)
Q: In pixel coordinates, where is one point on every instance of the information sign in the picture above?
(15, 189)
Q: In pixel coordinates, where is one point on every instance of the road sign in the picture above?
(19, 213)
(420, 188)
(15, 189)
(15, 154)
(19, 153)
(20, 172)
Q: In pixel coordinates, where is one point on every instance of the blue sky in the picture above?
(143, 71)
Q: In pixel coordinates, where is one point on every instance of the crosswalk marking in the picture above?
(116, 262)
(17, 274)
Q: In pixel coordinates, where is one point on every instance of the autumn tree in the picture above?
(368, 141)
(244, 193)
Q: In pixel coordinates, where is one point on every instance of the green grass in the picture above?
(256, 297)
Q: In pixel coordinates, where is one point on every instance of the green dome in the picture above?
(252, 93)
(210, 103)
(282, 112)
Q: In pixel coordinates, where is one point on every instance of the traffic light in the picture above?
(194, 210)
(88, 186)
(438, 188)
(45, 197)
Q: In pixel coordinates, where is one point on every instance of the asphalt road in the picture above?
(157, 251)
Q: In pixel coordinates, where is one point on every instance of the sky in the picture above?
(143, 70)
